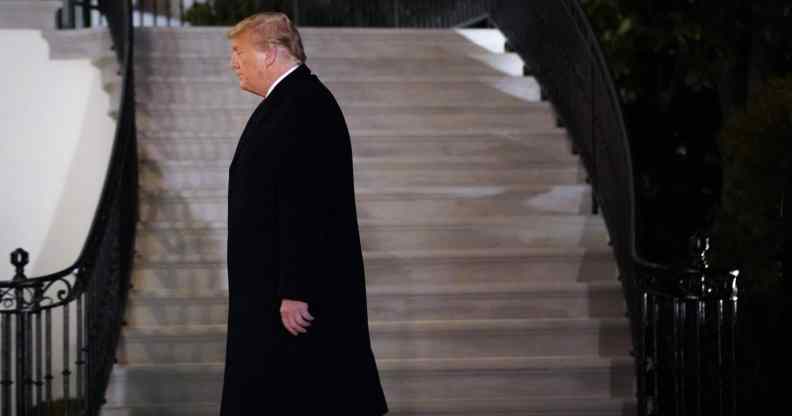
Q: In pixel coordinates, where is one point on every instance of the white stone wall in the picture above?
(55, 141)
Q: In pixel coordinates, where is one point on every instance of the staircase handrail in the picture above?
(559, 47)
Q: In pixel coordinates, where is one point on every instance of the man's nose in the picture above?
(232, 62)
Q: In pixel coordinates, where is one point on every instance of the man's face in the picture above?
(247, 64)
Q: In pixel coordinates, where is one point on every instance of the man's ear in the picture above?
(270, 55)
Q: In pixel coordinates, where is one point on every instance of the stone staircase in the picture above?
(491, 289)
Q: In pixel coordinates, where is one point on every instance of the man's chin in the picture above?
(245, 88)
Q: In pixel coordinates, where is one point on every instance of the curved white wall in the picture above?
(55, 141)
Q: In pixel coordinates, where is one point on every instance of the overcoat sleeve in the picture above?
(301, 208)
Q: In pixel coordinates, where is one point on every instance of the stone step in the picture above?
(404, 203)
(489, 300)
(26, 14)
(317, 42)
(492, 148)
(383, 153)
(406, 380)
(404, 339)
(88, 43)
(554, 406)
(207, 241)
(377, 156)
(411, 268)
(532, 118)
(152, 66)
(480, 92)
(200, 175)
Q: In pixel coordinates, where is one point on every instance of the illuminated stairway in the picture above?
(491, 288)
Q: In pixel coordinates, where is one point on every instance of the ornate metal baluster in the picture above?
(19, 258)
(21, 358)
(90, 343)
(66, 373)
(48, 377)
(719, 341)
(673, 356)
(29, 360)
(732, 380)
(680, 347)
(659, 405)
(5, 364)
(80, 363)
(644, 362)
(39, 352)
(701, 319)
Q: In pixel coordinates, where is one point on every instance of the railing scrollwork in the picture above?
(32, 295)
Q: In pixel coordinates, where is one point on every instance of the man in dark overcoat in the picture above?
(298, 338)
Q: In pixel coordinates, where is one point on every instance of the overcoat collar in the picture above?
(271, 102)
(279, 93)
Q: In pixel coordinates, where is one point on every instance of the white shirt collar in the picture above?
(280, 78)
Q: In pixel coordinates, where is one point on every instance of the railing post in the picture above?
(19, 258)
(395, 13)
(38, 384)
(86, 13)
(5, 360)
(296, 12)
(67, 15)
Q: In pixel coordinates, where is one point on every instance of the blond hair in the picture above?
(271, 28)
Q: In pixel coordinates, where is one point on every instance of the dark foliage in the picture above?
(681, 68)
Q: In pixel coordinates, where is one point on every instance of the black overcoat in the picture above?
(293, 233)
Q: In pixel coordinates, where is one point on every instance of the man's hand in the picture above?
(295, 316)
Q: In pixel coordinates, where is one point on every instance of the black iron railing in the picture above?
(688, 337)
(682, 318)
(88, 297)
